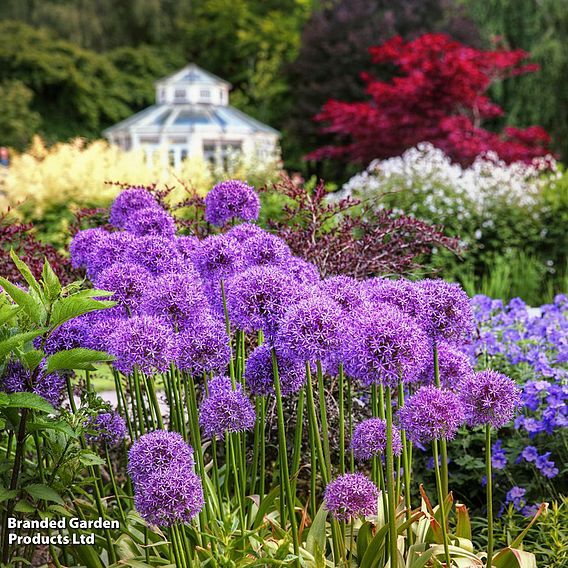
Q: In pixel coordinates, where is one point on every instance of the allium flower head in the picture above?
(156, 452)
(385, 346)
(128, 282)
(490, 397)
(112, 249)
(151, 221)
(305, 273)
(157, 254)
(265, 249)
(219, 257)
(83, 244)
(351, 495)
(312, 329)
(108, 427)
(174, 495)
(70, 335)
(127, 203)
(431, 414)
(101, 325)
(454, 367)
(203, 347)
(407, 296)
(187, 246)
(258, 297)
(370, 439)
(344, 290)
(225, 409)
(143, 342)
(447, 313)
(231, 199)
(259, 373)
(244, 231)
(177, 297)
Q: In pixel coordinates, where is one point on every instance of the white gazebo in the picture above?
(192, 117)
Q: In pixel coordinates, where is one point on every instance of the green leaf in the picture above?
(25, 400)
(317, 538)
(86, 457)
(6, 494)
(29, 303)
(7, 312)
(57, 425)
(24, 506)
(514, 558)
(364, 537)
(79, 358)
(17, 340)
(463, 524)
(51, 283)
(39, 491)
(93, 293)
(74, 306)
(26, 273)
(32, 359)
(374, 551)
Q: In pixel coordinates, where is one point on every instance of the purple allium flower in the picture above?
(108, 427)
(111, 249)
(370, 439)
(16, 378)
(174, 495)
(225, 409)
(245, 231)
(157, 254)
(344, 290)
(177, 297)
(187, 246)
(70, 335)
(203, 347)
(489, 398)
(143, 342)
(265, 249)
(101, 325)
(151, 221)
(128, 282)
(530, 453)
(351, 495)
(83, 244)
(231, 199)
(305, 273)
(312, 329)
(454, 367)
(128, 202)
(258, 298)
(259, 373)
(156, 452)
(431, 414)
(447, 313)
(219, 257)
(407, 296)
(385, 346)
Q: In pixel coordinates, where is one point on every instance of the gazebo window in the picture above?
(180, 95)
(221, 152)
(205, 94)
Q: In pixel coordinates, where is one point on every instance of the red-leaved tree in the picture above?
(438, 95)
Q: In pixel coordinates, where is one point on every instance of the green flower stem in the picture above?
(113, 483)
(154, 399)
(406, 465)
(296, 456)
(261, 488)
(283, 456)
(228, 328)
(441, 502)
(234, 462)
(314, 422)
(375, 461)
(341, 420)
(313, 463)
(139, 405)
(135, 413)
(88, 381)
(443, 443)
(350, 420)
(122, 406)
(150, 410)
(323, 415)
(489, 488)
(393, 535)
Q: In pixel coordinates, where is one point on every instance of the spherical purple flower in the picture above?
(171, 496)
(231, 199)
(177, 297)
(351, 495)
(128, 202)
(370, 439)
(83, 244)
(259, 372)
(489, 397)
(258, 297)
(151, 221)
(101, 325)
(312, 329)
(187, 246)
(70, 335)
(407, 296)
(219, 257)
(157, 254)
(266, 249)
(203, 347)
(385, 346)
(431, 414)
(447, 313)
(245, 231)
(143, 342)
(344, 290)
(128, 282)
(108, 427)
(305, 273)
(156, 452)
(112, 249)
(453, 365)
(225, 409)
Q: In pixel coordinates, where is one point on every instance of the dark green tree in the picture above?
(18, 122)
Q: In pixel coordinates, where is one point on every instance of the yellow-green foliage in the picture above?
(44, 185)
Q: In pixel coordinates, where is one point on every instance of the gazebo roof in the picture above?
(192, 74)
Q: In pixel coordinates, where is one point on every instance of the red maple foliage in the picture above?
(439, 96)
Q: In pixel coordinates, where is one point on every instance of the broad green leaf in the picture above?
(25, 400)
(50, 281)
(6, 494)
(317, 536)
(29, 303)
(514, 558)
(23, 506)
(17, 340)
(374, 551)
(86, 457)
(463, 524)
(39, 491)
(73, 306)
(7, 312)
(88, 556)
(57, 425)
(26, 273)
(364, 537)
(79, 358)
(93, 293)
(32, 359)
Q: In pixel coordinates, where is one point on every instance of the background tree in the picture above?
(17, 121)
